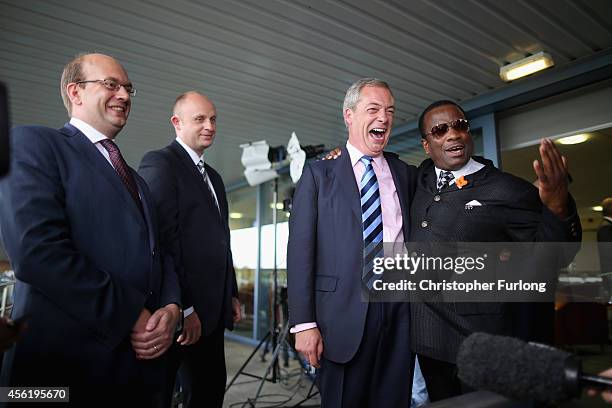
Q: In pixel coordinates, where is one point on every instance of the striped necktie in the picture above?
(204, 174)
(371, 218)
(122, 170)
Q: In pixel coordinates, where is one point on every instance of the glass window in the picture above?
(243, 226)
(266, 281)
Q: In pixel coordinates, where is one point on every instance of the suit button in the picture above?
(424, 224)
(151, 293)
(153, 253)
(437, 198)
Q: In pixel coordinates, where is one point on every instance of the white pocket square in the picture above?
(472, 204)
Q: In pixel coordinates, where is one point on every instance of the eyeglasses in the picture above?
(112, 85)
(460, 125)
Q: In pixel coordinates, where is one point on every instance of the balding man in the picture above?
(80, 230)
(192, 206)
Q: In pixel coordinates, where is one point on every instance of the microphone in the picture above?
(523, 371)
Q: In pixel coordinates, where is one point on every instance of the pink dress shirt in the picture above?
(389, 202)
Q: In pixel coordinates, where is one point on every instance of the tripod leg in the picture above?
(273, 362)
(241, 369)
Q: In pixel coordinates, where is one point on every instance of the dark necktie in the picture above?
(122, 170)
(444, 178)
(371, 218)
(204, 174)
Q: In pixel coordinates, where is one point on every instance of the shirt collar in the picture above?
(194, 156)
(355, 155)
(608, 218)
(92, 134)
(472, 166)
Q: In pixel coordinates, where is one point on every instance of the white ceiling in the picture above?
(273, 67)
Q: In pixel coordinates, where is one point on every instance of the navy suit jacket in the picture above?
(325, 251)
(86, 262)
(194, 232)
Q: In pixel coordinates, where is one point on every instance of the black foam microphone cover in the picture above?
(518, 370)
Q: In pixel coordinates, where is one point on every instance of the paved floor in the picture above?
(292, 387)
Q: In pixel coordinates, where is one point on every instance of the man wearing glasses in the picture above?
(460, 198)
(79, 227)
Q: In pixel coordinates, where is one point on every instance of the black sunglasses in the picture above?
(460, 125)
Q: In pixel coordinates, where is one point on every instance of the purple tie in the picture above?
(122, 169)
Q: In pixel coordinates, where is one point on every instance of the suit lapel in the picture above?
(193, 173)
(345, 177)
(91, 154)
(400, 179)
(147, 203)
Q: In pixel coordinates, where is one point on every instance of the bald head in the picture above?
(195, 120)
(186, 98)
(88, 96)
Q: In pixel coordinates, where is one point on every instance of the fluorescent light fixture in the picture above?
(597, 208)
(526, 66)
(571, 140)
(235, 215)
(279, 206)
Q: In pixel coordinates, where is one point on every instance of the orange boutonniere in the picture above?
(460, 182)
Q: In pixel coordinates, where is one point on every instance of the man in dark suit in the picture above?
(604, 240)
(461, 198)
(192, 205)
(80, 230)
(341, 209)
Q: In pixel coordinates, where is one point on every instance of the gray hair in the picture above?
(354, 92)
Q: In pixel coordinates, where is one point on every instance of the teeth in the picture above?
(117, 108)
(378, 131)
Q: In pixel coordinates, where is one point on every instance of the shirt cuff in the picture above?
(303, 326)
(188, 311)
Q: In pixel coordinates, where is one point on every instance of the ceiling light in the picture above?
(235, 215)
(279, 206)
(526, 66)
(571, 140)
(597, 208)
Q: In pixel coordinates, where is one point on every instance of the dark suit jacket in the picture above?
(193, 232)
(511, 211)
(325, 251)
(86, 262)
(604, 234)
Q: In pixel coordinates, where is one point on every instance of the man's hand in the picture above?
(552, 178)
(236, 310)
(151, 339)
(310, 344)
(192, 330)
(9, 332)
(333, 154)
(605, 395)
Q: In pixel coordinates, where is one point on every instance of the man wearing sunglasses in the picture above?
(460, 198)
(80, 229)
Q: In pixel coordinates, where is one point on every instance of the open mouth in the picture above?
(116, 108)
(456, 150)
(378, 133)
